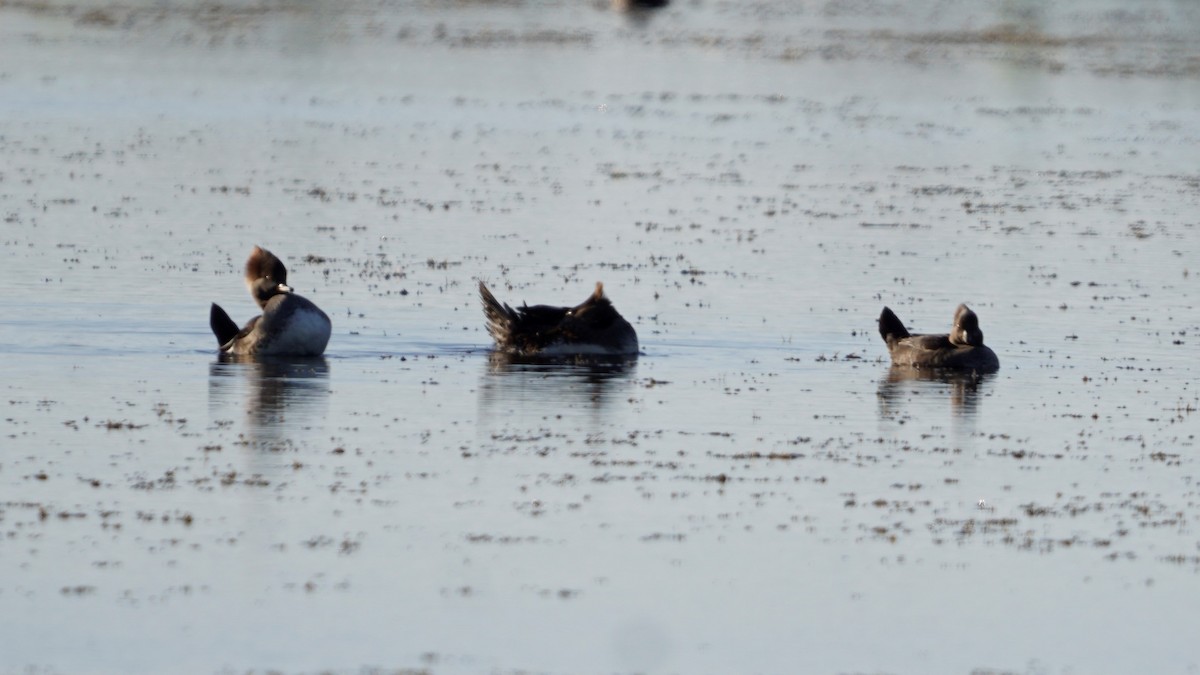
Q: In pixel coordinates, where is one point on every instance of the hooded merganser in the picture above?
(289, 324)
(961, 349)
(593, 327)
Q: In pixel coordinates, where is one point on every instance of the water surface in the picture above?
(758, 492)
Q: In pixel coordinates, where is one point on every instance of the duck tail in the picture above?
(500, 317)
(891, 327)
(222, 326)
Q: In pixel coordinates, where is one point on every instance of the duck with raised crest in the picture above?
(289, 325)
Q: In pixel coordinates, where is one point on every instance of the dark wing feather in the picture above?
(525, 329)
(222, 326)
(891, 327)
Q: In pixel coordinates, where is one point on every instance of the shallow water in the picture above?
(758, 492)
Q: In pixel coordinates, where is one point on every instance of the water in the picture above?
(758, 492)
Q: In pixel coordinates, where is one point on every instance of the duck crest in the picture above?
(266, 276)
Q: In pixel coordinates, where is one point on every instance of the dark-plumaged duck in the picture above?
(593, 327)
(961, 349)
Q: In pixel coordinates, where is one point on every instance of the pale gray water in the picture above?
(752, 182)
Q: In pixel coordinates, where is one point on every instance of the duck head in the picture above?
(597, 311)
(966, 330)
(266, 276)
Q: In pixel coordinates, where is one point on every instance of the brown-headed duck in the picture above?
(289, 325)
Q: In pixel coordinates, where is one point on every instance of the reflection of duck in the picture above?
(904, 382)
(270, 390)
(514, 389)
(289, 324)
(961, 349)
(593, 327)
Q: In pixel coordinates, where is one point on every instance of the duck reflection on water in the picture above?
(901, 383)
(548, 386)
(273, 392)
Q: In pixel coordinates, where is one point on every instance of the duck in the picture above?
(593, 327)
(638, 5)
(961, 349)
(290, 325)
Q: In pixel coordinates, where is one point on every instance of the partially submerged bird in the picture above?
(593, 327)
(638, 5)
(289, 324)
(961, 349)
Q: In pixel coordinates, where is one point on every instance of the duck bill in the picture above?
(283, 288)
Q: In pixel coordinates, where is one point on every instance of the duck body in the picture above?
(961, 349)
(638, 5)
(290, 325)
(593, 327)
